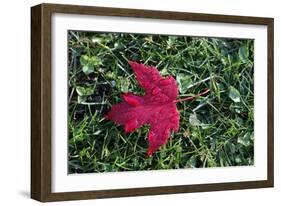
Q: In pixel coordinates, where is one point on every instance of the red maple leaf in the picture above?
(156, 108)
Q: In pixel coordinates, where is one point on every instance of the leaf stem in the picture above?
(193, 97)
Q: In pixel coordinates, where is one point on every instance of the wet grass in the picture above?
(215, 130)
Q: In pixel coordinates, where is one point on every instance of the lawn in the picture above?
(216, 130)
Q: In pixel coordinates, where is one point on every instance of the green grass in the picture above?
(215, 130)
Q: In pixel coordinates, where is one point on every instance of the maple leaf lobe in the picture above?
(156, 108)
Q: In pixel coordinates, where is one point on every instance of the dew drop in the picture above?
(174, 119)
(165, 82)
(155, 91)
(154, 77)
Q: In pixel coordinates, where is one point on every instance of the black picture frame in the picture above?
(41, 101)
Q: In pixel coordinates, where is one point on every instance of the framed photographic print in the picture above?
(130, 102)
